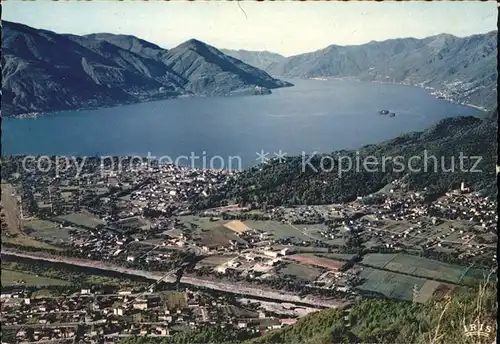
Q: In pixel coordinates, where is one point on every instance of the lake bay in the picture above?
(313, 115)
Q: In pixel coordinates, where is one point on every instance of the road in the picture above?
(11, 209)
(239, 288)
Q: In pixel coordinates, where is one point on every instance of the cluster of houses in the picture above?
(107, 314)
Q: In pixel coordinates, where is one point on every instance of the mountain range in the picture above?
(461, 69)
(260, 59)
(44, 71)
(315, 180)
(47, 71)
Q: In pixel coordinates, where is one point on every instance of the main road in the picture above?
(227, 287)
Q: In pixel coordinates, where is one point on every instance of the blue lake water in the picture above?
(313, 116)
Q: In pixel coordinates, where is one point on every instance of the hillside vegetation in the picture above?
(386, 321)
(300, 180)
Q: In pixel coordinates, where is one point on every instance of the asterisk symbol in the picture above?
(280, 156)
(262, 156)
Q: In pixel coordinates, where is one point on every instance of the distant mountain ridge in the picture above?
(459, 69)
(46, 71)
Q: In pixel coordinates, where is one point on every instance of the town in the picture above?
(165, 266)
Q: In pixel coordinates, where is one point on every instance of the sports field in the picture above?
(434, 289)
(377, 260)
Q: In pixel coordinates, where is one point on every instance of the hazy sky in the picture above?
(284, 27)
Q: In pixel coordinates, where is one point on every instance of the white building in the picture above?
(272, 254)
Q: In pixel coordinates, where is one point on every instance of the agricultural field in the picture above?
(277, 229)
(219, 236)
(377, 260)
(199, 223)
(471, 276)
(43, 293)
(427, 268)
(215, 229)
(237, 226)
(421, 267)
(61, 275)
(395, 226)
(337, 241)
(303, 250)
(212, 231)
(11, 277)
(433, 288)
(303, 272)
(81, 219)
(134, 222)
(23, 240)
(390, 284)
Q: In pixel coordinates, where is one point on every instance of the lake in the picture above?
(313, 115)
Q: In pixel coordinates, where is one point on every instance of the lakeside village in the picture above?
(103, 256)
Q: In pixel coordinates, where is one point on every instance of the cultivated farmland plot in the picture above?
(277, 229)
(377, 260)
(390, 284)
(427, 268)
(402, 287)
(10, 277)
(421, 267)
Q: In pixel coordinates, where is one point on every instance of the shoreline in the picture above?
(434, 92)
(257, 91)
